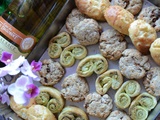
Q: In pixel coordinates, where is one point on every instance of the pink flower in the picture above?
(23, 89)
(30, 70)
(32, 91)
(6, 57)
(36, 66)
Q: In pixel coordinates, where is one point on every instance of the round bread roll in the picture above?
(39, 112)
(142, 35)
(20, 109)
(155, 51)
(93, 8)
(119, 18)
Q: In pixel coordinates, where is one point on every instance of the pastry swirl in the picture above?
(72, 52)
(93, 63)
(111, 78)
(63, 39)
(128, 89)
(72, 113)
(54, 50)
(140, 106)
(51, 98)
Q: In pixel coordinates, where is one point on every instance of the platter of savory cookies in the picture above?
(103, 64)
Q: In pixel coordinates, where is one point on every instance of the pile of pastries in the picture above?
(70, 52)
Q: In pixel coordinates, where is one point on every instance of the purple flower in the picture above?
(13, 67)
(23, 89)
(32, 91)
(6, 57)
(36, 66)
(4, 98)
(29, 70)
(3, 88)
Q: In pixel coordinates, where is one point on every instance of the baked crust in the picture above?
(39, 112)
(155, 51)
(142, 35)
(119, 18)
(93, 8)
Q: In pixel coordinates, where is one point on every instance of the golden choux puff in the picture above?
(93, 8)
(155, 51)
(119, 18)
(142, 35)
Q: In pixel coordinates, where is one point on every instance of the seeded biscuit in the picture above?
(74, 88)
(51, 72)
(133, 6)
(98, 105)
(152, 81)
(112, 44)
(151, 15)
(133, 65)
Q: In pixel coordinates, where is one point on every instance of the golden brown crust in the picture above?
(20, 109)
(119, 18)
(51, 98)
(93, 63)
(155, 50)
(142, 35)
(110, 79)
(93, 8)
(39, 112)
(72, 112)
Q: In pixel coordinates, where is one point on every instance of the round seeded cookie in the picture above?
(98, 105)
(152, 81)
(74, 88)
(112, 44)
(151, 15)
(118, 115)
(51, 72)
(133, 6)
(87, 32)
(73, 19)
(133, 65)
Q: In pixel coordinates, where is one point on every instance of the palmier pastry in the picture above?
(111, 78)
(51, 98)
(63, 39)
(128, 89)
(93, 63)
(71, 53)
(141, 105)
(72, 113)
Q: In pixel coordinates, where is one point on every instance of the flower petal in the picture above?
(6, 57)
(5, 98)
(20, 98)
(32, 92)
(36, 65)
(26, 67)
(12, 89)
(22, 82)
